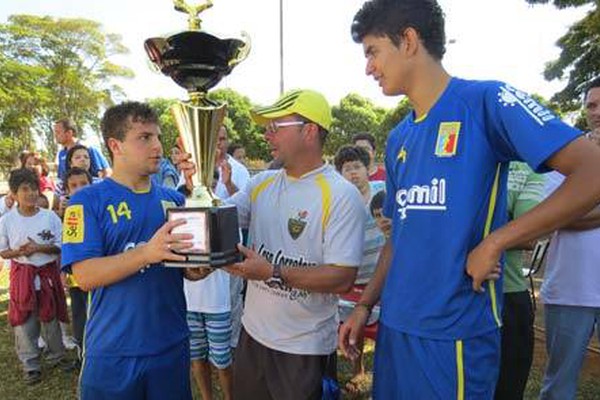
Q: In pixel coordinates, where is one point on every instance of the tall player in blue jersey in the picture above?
(447, 165)
(114, 241)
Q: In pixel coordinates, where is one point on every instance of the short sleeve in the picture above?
(552, 181)
(81, 231)
(97, 161)
(390, 187)
(3, 234)
(344, 234)
(520, 128)
(241, 199)
(530, 195)
(56, 227)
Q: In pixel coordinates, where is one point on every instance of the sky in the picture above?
(506, 40)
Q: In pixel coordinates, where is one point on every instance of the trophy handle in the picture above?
(243, 51)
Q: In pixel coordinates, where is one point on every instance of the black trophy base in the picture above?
(218, 230)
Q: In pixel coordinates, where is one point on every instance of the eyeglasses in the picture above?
(274, 126)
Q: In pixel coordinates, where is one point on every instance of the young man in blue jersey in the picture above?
(446, 165)
(114, 242)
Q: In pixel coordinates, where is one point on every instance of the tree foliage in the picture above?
(580, 54)
(354, 114)
(52, 68)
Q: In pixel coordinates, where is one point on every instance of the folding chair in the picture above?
(535, 263)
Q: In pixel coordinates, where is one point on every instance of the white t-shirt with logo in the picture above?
(43, 228)
(212, 294)
(572, 275)
(314, 220)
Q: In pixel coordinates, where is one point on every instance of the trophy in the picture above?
(197, 61)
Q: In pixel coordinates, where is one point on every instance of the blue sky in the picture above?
(494, 39)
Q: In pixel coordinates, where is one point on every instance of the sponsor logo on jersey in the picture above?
(297, 224)
(447, 139)
(508, 96)
(431, 197)
(73, 224)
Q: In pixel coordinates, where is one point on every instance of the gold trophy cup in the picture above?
(197, 61)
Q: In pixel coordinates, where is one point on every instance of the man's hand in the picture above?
(29, 248)
(351, 333)
(9, 200)
(184, 164)
(162, 244)
(225, 172)
(254, 267)
(483, 263)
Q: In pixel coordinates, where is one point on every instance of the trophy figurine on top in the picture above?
(197, 61)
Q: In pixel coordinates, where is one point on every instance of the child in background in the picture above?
(30, 237)
(76, 179)
(383, 223)
(353, 163)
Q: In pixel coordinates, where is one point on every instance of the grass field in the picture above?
(62, 386)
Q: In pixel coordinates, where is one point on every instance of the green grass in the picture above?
(59, 385)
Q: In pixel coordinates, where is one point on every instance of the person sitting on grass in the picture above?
(30, 237)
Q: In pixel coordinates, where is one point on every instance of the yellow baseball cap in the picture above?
(307, 103)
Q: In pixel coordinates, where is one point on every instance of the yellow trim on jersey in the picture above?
(460, 371)
(488, 226)
(260, 187)
(421, 118)
(326, 197)
(143, 191)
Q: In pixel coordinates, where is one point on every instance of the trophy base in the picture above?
(216, 235)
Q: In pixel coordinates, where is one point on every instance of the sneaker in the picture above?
(32, 377)
(65, 365)
(69, 342)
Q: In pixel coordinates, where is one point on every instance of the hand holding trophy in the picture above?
(197, 61)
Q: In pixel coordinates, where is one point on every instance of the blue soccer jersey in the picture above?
(441, 171)
(145, 313)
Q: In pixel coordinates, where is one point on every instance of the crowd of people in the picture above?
(436, 238)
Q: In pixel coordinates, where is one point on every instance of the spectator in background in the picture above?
(65, 132)
(376, 207)
(525, 191)
(215, 303)
(78, 156)
(36, 163)
(352, 162)
(75, 180)
(571, 288)
(367, 142)
(6, 203)
(238, 152)
(30, 237)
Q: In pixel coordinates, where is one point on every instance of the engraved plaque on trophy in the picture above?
(197, 61)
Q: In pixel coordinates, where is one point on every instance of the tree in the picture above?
(168, 129)
(354, 114)
(55, 68)
(580, 52)
(240, 125)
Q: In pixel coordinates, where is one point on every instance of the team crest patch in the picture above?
(447, 140)
(73, 225)
(296, 225)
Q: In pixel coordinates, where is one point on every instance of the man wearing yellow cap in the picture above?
(306, 228)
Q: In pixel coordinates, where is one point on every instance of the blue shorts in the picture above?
(411, 367)
(161, 376)
(210, 337)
